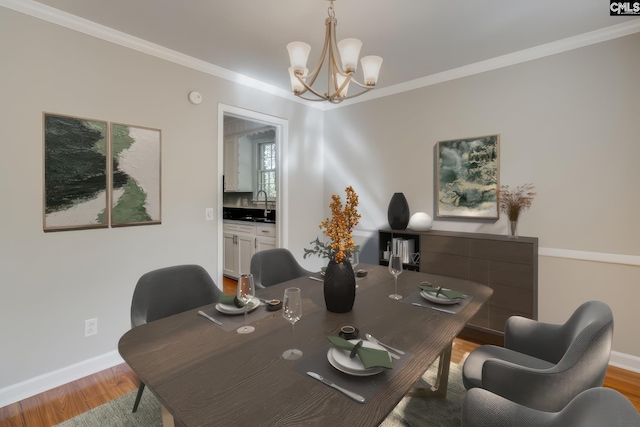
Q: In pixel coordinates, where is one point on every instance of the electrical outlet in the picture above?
(90, 327)
(208, 213)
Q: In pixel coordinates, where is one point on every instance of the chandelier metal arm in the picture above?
(307, 87)
(330, 22)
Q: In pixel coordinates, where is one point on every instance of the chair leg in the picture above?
(138, 396)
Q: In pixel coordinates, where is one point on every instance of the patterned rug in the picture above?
(410, 412)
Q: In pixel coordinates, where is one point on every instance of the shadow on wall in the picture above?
(369, 250)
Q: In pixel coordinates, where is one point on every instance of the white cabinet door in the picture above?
(230, 164)
(245, 246)
(238, 164)
(230, 266)
(263, 243)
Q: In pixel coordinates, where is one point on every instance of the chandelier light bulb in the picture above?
(371, 68)
(296, 85)
(349, 53)
(298, 55)
(339, 78)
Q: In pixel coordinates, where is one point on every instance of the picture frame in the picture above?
(136, 175)
(75, 173)
(468, 177)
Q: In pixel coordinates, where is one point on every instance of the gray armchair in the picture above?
(595, 407)
(544, 366)
(275, 266)
(168, 291)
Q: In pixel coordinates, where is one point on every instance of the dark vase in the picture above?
(398, 212)
(339, 287)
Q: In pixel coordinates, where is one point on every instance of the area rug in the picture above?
(410, 412)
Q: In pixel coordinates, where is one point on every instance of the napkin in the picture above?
(370, 357)
(446, 292)
(230, 300)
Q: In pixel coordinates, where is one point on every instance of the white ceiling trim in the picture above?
(55, 16)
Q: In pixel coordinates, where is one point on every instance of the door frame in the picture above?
(282, 182)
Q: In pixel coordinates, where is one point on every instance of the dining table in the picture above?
(205, 374)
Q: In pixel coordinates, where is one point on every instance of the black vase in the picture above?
(398, 212)
(339, 287)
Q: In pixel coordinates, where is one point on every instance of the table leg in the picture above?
(439, 389)
(167, 418)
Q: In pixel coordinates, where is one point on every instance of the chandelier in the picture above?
(341, 66)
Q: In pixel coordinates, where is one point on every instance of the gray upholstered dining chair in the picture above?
(167, 291)
(595, 407)
(274, 266)
(544, 366)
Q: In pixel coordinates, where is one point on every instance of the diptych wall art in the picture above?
(467, 174)
(97, 174)
(75, 173)
(135, 196)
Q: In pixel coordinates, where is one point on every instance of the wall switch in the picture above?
(90, 327)
(245, 202)
(208, 212)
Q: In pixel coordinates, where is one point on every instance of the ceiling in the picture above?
(416, 38)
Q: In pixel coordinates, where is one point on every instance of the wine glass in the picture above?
(245, 294)
(292, 311)
(355, 260)
(395, 268)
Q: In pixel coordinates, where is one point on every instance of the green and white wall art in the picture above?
(83, 189)
(468, 177)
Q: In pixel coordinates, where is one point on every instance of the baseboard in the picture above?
(31, 387)
(625, 361)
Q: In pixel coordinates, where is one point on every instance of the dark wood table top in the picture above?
(205, 376)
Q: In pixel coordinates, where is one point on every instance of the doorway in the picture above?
(280, 128)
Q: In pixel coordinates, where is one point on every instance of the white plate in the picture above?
(232, 309)
(440, 299)
(340, 360)
(363, 373)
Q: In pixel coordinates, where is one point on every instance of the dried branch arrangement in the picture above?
(513, 202)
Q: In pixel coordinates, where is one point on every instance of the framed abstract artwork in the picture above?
(75, 173)
(136, 175)
(467, 177)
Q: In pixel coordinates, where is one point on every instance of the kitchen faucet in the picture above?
(266, 202)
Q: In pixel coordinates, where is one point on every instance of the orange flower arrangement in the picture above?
(338, 228)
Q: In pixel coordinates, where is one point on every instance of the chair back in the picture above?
(171, 290)
(274, 266)
(587, 337)
(595, 407)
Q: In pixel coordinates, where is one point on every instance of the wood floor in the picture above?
(67, 401)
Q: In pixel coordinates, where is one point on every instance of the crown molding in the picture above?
(55, 16)
(85, 26)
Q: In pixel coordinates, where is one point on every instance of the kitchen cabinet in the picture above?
(265, 237)
(241, 241)
(238, 166)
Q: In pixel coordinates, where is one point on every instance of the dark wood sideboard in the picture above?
(508, 265)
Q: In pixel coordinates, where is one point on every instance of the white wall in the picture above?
(51, 282)
(568, 123)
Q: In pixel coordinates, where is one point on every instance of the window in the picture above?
(267, 168)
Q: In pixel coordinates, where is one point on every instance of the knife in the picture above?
(216, 321)
(351, 394)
